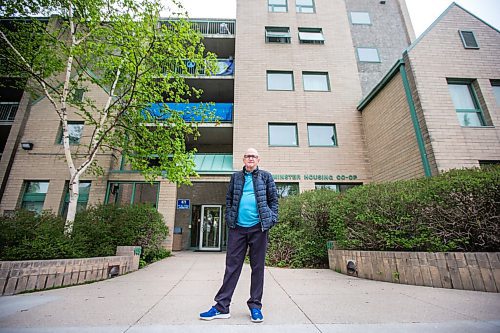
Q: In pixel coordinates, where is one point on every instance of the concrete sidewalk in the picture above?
(168, 296)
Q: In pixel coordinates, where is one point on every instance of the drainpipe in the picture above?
(414, 119)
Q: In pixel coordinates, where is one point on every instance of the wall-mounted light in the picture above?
(352, 269)
(27, 145)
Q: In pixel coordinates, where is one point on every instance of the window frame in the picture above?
(271, 7)
(475, 100)
(318, 31)
(282, 124)
(134, 189)
(82, 197)
(278, 184)
(464, 43)
(335, 143)
(340, 187)
(496, 84)
(360, 23)
(59, 140)
(368, 48)
(279, 72)
(286, 35)
(78, 95)
(311, 73)
(33, 197)
(298, 8)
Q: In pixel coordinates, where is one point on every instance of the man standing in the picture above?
(251, 210)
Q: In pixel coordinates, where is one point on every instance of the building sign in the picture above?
(315, 177)
(183, 204)
(286, 177)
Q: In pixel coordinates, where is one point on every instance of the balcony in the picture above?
(210, 27)
(8, 112)
(188, 68)
(223, 112)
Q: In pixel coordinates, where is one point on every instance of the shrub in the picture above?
(96, 233)
(100, 229)
(155, 254)
(299, 239)
(26, 236)
(465, 211)
(456, 211)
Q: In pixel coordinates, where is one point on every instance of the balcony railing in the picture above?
(8, 111)
(225, 67)
(210, 27)
(222, 112)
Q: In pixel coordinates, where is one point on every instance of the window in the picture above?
(124, 193)
(279, 80)
(34, 195)
(337, 187)
(287, 189)
(78, 95)
(283, 135)
(277, 6)
(311, 36)
(322, 135)
(366, 54)
(75, 129)
(496, 90)
(278, 35)
(488, 164)
(314, 81)
(468, 39)
(83, 198)
(360, 18)
(304, 6)
(466, 105)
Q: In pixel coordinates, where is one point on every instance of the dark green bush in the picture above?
(26, 236)
(96, 232)
(299, 239)
(456, 211)
(100, 229)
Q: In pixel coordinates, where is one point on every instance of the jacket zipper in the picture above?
(257, 202)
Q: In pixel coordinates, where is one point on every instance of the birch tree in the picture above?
(122, 47)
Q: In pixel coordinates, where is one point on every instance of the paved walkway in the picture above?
(167, 297)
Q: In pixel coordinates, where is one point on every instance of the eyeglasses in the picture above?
(251, 156)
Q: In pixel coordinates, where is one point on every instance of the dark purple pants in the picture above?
(239, 240)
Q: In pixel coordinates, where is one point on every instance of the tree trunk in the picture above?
(74, 191)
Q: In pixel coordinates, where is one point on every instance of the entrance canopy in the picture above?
(214, 163)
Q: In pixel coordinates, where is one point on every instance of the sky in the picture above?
(422, 12)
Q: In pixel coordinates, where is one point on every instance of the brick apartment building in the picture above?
(438, 108)
(293, 73)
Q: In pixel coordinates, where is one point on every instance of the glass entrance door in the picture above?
(210, 227)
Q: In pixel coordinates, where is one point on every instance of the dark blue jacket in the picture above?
(265, 193)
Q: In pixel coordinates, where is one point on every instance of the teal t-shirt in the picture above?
(248, 214)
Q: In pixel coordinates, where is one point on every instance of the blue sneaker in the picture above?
(213, 313)
(256, 315)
